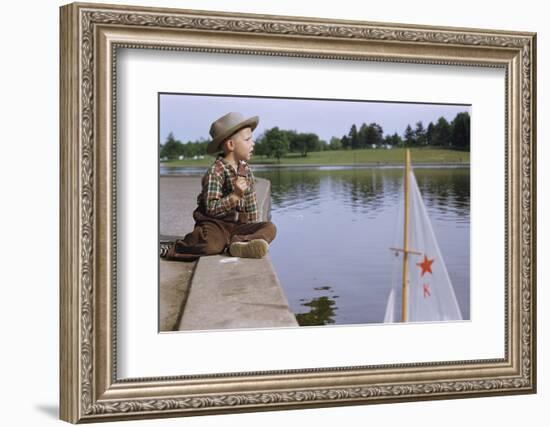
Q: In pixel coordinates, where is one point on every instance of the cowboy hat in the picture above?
(226, 126)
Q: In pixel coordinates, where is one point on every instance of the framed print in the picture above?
(377, 229)
(310, 177)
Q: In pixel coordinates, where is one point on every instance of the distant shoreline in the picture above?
(364, 157)
(325, 165)
(199, 170)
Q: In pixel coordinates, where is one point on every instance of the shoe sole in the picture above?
(254, 249)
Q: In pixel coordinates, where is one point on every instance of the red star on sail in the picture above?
(426, 265)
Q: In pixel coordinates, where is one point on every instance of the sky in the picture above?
(189, 117)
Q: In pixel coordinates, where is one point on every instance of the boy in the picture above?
(227, 212)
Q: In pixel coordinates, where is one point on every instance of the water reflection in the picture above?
(322, 309)
(366, 190)
(446, 190)
(296, 189)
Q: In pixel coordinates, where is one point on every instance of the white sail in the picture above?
(431, 296)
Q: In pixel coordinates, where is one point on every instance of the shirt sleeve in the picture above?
(215, 203)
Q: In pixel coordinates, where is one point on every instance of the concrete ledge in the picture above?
(178, 200)
(232, 293)
(263, 194)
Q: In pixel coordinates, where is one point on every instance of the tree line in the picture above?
(174, 149)
(277, 143)
(454, 135)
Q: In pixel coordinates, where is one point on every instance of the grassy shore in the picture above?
(349, 157)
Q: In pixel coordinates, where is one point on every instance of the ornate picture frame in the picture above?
(91, 35)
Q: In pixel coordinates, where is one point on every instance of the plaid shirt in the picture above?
(218, 184)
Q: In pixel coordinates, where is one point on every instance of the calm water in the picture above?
(335, 227)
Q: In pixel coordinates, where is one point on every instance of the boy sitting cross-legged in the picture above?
(226, 217)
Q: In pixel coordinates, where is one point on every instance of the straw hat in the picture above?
(226, 126)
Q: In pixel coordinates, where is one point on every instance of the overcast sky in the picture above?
(189, 116)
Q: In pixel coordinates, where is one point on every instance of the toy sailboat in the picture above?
(423, 290)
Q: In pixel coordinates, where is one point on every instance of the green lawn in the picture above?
(348, 157)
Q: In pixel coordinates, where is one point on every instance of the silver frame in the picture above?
(90, 37)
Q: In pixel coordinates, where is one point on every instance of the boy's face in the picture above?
(241, 144)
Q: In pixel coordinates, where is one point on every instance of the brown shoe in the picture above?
(172, 255)
(256, 248)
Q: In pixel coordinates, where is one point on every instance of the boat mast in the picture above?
(405, 289)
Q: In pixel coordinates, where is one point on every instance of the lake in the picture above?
(335, 226)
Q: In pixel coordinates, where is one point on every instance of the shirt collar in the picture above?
(226, 164)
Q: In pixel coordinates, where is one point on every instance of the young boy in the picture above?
(227, 214)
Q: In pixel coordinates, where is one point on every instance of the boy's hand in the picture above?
(241, 185)
(241, 168)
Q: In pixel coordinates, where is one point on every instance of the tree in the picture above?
(309, 142)
(260, 148)
(346, 143)
(375, 134)
(303, 142)
(353, 137)
(396, 140)
(172, 148)
(335, 143)
(409, 136)
(429, 134)
(442, 132)
(420, 134)
(276, 143)
(460, 131)
(294, 145)
(189, 149)
(362, 136)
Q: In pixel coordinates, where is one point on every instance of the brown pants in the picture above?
(211, 236)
